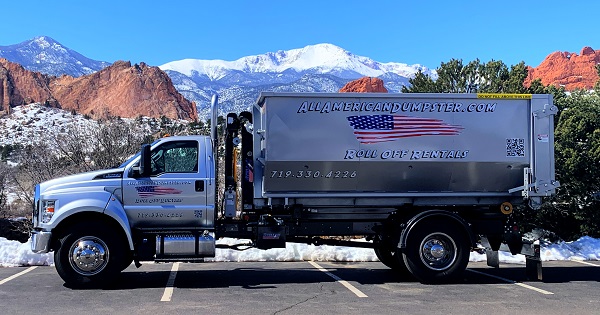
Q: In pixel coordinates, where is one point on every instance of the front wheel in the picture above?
(89, 255)
(436, 252)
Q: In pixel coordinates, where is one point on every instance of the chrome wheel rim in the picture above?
(438, 251)
(88, 255)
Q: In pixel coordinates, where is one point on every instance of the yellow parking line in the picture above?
(168, 294)
(348, 286)
(523, 285)
(17, 275)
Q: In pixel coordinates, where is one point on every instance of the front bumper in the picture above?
(40, 241)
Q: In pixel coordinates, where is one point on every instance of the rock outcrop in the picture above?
(20, 86)
(118, 90)
(365, 85)
(567, 69)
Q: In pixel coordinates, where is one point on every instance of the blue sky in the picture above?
(424, 32)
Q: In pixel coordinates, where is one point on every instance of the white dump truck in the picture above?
(424, 178)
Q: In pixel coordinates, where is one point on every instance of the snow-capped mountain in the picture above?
(317, 68)
(321, 58)
(44, 54)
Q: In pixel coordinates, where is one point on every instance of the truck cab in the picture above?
(159, 204)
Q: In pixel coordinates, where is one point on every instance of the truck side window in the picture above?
(175, 157)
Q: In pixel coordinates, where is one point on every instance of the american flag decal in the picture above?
(151, 191)
(383, 128)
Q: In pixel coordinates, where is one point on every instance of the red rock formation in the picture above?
(365, 85)
(567, 69)
(118, 90)
(19, 86)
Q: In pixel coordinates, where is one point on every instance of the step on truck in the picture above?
(424, 178)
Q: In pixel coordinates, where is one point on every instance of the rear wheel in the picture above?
(89, 254)
(436, 252)
(389, 258)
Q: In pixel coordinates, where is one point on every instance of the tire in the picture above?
(127, 260)
(436, 252)
(89, 255)
(389, 258)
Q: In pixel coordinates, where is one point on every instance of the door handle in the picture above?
(199, 185)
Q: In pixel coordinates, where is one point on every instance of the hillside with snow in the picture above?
(26, 124)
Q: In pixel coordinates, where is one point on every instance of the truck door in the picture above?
(175, 194)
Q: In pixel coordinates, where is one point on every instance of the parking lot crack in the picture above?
(294, 305)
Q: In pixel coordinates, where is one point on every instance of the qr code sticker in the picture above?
(515, 147)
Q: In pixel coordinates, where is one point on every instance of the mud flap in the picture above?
(493, 259)
(533, 262)
(531, 250)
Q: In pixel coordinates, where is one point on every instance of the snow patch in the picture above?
(13, 253)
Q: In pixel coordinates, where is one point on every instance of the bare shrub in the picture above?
(78, 149)
(115, 141)
(4, 176)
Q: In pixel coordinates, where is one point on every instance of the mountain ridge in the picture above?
(46, 55)
(327, 58)
(313, 68)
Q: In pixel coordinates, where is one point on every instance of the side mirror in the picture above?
(145, 168)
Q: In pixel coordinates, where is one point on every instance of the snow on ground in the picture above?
(26, 123)
(13, 253)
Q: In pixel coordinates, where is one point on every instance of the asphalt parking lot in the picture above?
(305, 288)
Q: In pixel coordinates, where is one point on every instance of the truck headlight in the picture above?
(47, 210)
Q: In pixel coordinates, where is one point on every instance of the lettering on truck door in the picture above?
(174, 194)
